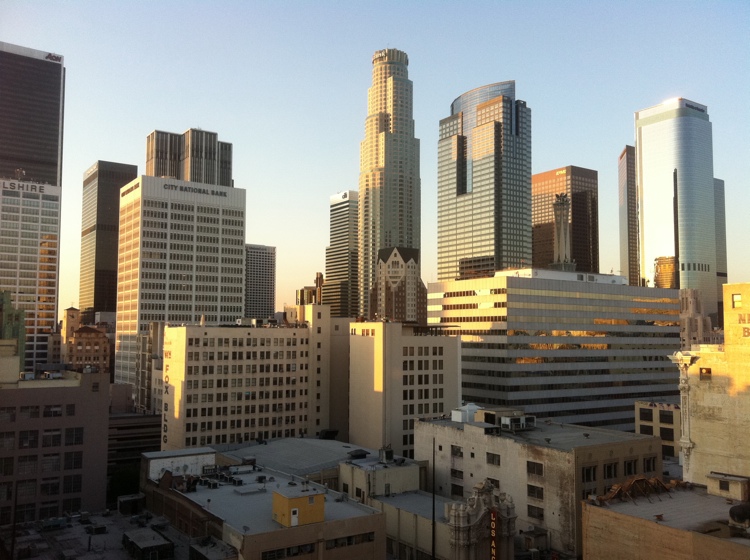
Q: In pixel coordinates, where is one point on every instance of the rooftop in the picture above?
(419, 503)
(687, 510)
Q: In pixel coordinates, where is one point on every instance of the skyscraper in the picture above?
(196, 155)
(32, 91)
(340, 287)
(721, 245)
(676, 195)
(484, 183)
(99, 226)
(260, 281)
(181, 260)
(628, 204)
(389, 183)
(582, 187)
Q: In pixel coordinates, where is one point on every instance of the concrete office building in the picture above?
(546, 468)
(484, 184)
(630, 264)
(49, 444)
(341, 285)
(99, 233)
(234, 384)
(32, 95)
(677, 200)
(660, 418)
(582, 189)
(389, 183)
(577, 347)
(397, 374)
(195, 155)
(262, 515)
(181, 260)
(260, 281)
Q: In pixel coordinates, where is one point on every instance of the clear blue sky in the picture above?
(286, 82)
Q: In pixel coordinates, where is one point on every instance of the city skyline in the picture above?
(583, 104)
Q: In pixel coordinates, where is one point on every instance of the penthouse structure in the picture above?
(195, 155)
(575, 347)
(181, 260)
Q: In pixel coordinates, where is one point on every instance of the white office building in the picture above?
(181, 260)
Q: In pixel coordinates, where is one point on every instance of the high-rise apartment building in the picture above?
(677, 197)
(576, 347)
(389, 183)
(32, 92)
(484, 183)
(99, 226)
(196, 156)
(340, 287)
(582, 189)
(181, 260)
(260, 281)
(628, 205)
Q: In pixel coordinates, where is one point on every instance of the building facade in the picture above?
(31, 144)
(260, 281)
(674, 171)
(577, 347)
(238, 384)
(99, 235)
(628, 210)
(341, 285)
(195, 155)
(546, 468)
(582, 189)
(50, 445)
(32, 99)
(660, 418)
(484, 183)
(181, 259)
(398, 374)
(389, 182)
(399, 293)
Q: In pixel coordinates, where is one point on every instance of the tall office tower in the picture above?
(582, 188)
(99, 223)
(340, 287)
(484, 184)
(181, 260)
(196, 156)
(389, 183)
(628, 203)
(721, 246)
(260, 281)
(32, 93)
(676, 194)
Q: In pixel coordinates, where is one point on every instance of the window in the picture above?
(72, 484)
(724, 485)
(493, 459)
(666, 417)
(534, 468)
(666, 434)
(649, 464)
(6, 466)
(535, 512)
(536, 492)
(646, 429)
(345, 488)
(455, 473)
(630, 467)
(736, 301)
(495, 482)
(73, 436)
(457, 490)
(73, 460)
(705, 374)
(51, 438)
(588, 474)
(28, 439)
(457, 451)
(646, 415)
(610, 470)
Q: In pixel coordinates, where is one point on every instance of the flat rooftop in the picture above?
(687, 510)
(419, 503)
(249, 507)
(565, 437)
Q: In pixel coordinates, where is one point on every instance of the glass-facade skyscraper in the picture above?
(676, 198)
(340, 287)
(484, 184)
(389, 182)
(32, 94)
(628, 209)
(260, 281)
(99, 227)
(582, 187)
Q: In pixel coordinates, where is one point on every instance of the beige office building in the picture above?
(181, 260)
(234, 384)
(546, 468)
(398, 374)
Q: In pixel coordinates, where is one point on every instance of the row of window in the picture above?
(8, 413)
